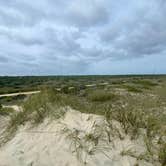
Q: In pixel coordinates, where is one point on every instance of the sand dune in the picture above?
(76, 139)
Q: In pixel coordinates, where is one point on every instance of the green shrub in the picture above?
(132, 89)
(101, 96)
(145, 83)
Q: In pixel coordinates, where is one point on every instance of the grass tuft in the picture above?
(6, 111)
(101, 96)
(162, 154)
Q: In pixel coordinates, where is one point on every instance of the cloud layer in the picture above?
(82, 37)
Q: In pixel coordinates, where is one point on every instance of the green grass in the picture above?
(145, 83)
(6, 111)
(12, 99)
(162, 154)
(36, 109)
(101, 96)
(51, 103)
(131, 120)
(132, 88)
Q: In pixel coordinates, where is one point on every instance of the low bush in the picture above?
(132, 89)
(146, 84)
(101, 96)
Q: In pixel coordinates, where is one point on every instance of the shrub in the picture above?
(101, 96)
(145, 82)
(132, 89)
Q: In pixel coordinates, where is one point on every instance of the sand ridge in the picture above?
(68, 141)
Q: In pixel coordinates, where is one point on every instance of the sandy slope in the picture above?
(67, 142)
(3, 123)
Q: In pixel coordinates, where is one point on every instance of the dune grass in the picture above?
(5, 111)
(135, 119)
(101, 96)
(35, 110)
(145, 83)
(132, 88)
(162, 154)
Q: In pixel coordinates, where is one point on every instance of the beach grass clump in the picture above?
(152, 126)
(130, 120)
(162, 154)
(132, 88)
(101, 96)
(37, 108)
(5, 111)
(145, 84)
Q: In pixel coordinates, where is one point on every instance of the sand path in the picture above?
(19, 93)
(14, 107)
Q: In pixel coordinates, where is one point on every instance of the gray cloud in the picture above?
(87, 13)
(54, 36)
(140, 35)
(3, 59)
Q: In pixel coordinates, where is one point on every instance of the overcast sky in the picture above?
(40, 37)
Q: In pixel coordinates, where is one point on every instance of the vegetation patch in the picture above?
(145, 84)
(12, 99)
(131, 88)
(162, 154)
(101, 96)
(5, 111)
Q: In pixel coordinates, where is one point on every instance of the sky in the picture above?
(80, 37)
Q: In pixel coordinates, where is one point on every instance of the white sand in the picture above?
(14, 107)
(63, 143)
(19, 93)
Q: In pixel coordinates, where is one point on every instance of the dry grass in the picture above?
(101, 96)
(162, 154)
(6, 111)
